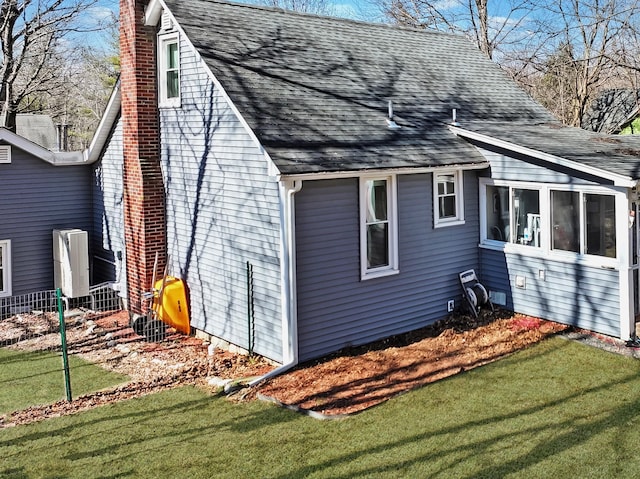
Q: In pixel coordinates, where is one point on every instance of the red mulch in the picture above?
(363, 377)
(346, 382)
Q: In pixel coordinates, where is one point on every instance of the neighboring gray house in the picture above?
(38, 129)
(613, 111)
(358, 168)
(40, 190)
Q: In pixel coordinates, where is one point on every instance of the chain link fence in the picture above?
(30, 319)
(36, 329)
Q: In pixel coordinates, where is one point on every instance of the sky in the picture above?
(99, 13)
(92, 24)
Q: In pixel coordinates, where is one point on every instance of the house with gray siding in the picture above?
(613, 111)
(41, 190)
(320, 183)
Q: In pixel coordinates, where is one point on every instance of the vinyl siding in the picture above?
(509, 168)
(36, 198)
(108, 215)
(573, 294)
(335, 308)
(223, 210)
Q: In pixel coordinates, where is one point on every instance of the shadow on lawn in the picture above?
(575, 430)
(241, 424)
(548, 422)
(144, 420)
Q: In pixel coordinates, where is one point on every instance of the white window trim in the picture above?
(5, 246)
(5, 153)
(459, 194)
(392, 214)
(163, 101)
(545, 251)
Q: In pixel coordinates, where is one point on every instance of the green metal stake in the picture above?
(250, 308)
(63, 337)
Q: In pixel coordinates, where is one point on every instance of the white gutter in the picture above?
(333, 175)
(618, 180)
(289, 292)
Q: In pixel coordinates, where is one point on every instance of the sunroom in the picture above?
(558, 236)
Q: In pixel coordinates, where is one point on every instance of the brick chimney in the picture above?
(144, 201)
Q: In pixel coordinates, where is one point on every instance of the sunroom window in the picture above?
(378, 231)
(526, 216)
(513, 215)
(598, 218)
(498, 217)
(559, 220)
(600, 225)
(565, 221)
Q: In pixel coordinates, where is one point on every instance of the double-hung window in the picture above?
(168, 70)
(5, 268)
(378, 227)
(447, 198)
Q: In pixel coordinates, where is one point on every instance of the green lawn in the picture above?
(558, 409)
(33, 378)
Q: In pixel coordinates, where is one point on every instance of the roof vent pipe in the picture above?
(454, 119)
(392, 125)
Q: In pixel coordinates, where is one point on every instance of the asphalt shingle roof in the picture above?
(619, 154)
(315, 90)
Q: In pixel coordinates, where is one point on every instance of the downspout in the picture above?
(289, 292)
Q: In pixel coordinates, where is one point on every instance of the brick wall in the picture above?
(144, 206)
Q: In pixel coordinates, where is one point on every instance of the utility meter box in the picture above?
(71, 262)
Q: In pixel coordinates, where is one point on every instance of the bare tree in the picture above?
(562, 51)
(319, 7)
(492, 24)
(30, 36)
(77, 98)
(86, 77)
(578, 54)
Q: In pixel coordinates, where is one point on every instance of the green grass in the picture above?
(34, 378)
(558, 409)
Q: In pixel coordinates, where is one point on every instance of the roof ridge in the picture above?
(333, 18)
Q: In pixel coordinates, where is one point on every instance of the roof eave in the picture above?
(26, 145)
(109, 117)
(618, 180)
(332, 175)
(57, 158)
(153, 12)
